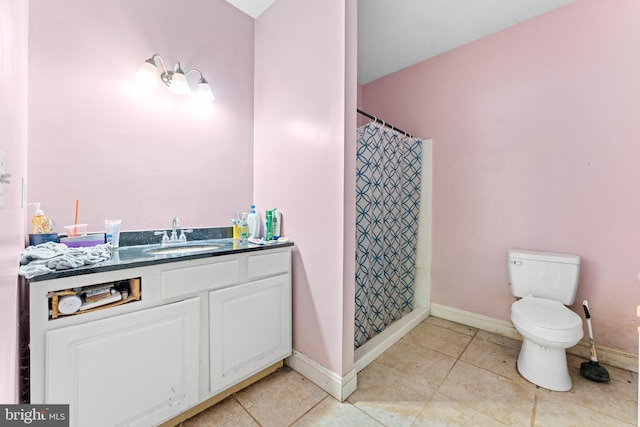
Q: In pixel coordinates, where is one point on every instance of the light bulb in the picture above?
(204, 91)
(179, 84)
(148, 73)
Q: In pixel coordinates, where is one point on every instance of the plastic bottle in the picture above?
(112, 229)
(268, 226)
(253, 221)
(40, 224)
(243, 228)
(277, 224)
(236, 236)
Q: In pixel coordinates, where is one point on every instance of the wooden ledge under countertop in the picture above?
(195, 410)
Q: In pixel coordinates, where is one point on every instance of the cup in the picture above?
(112, 229)
(76, 230)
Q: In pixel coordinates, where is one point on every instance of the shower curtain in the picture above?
(388, 177)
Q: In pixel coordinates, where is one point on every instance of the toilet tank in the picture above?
(543, 274)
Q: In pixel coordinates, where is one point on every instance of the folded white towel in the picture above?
(50, 256)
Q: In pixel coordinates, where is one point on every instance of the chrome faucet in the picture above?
(175, 227)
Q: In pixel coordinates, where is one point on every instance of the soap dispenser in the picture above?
(40, 224)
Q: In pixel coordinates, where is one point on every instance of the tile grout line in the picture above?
(367, 414)
(515, 366)
(473, 336)
(457, 360)
(535, 408)
(310, 409)
(246, 410)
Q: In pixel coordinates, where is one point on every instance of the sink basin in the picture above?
(183, 250)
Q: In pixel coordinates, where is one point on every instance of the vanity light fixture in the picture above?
(175, 79)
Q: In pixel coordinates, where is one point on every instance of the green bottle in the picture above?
(268, 229)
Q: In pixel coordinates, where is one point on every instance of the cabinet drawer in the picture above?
(268, 264)
(187, 280)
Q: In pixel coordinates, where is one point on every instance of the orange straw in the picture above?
(75, 221)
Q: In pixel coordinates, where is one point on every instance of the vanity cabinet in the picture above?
(249, 329)
(196, 329)
(138, 368)
(250, 324)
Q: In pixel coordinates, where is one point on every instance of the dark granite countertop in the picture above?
(139, 249)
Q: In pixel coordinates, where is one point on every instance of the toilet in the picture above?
(545, 284)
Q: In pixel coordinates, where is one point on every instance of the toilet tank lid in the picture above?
(543, 256)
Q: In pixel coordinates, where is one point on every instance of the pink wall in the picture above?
(299, 162)
(13, 122)
(535, 146)
(143, 157)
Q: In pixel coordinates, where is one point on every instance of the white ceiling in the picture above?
(394, 34)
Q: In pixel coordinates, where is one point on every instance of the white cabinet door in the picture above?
(135, 369)
(250, 329)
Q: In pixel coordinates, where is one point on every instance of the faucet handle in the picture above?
(183, 238)
(165, 238)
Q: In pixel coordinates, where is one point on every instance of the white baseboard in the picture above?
(338, 387)
(475, 320)
(606, 355)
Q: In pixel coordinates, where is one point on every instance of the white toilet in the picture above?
(546, 282)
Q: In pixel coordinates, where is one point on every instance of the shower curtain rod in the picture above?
(377, 120)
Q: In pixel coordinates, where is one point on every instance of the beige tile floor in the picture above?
(439, 374)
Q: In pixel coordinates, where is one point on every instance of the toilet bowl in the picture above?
(548, 328)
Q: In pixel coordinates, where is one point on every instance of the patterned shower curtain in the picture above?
(388, 176)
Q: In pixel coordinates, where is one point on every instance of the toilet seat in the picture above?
(547, 319)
